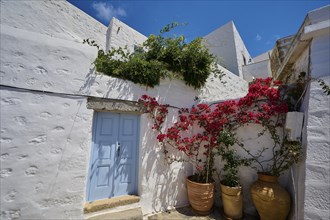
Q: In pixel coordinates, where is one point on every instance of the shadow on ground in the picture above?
(187, 213)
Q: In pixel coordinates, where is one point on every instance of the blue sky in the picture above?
(260, 23)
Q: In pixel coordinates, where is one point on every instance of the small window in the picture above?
(244, 60)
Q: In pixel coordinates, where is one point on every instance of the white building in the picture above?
(308, 51)
(51, 114)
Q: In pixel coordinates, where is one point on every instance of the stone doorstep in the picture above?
(127, 212)
(91, 207)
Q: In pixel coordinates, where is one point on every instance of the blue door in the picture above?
(113, 166)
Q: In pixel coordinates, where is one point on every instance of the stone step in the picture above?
(130, 214)
(123, 207)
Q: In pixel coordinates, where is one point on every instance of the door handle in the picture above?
(118, 150)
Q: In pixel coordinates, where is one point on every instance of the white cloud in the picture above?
(258, 37)
(106, 11)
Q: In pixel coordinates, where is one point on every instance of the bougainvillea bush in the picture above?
(215, 126)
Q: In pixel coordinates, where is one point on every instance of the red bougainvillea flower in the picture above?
(260, 104)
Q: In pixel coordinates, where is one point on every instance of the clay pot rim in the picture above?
(197, 183)
(231, 187)
(263, 176)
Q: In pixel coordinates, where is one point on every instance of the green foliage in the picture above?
(232, 160)
(159, 58)
(325, 87)
(288, 154)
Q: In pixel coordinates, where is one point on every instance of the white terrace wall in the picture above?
(317, 180)
(46, 75)
(259, 69)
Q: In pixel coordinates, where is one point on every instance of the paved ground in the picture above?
(186, 213)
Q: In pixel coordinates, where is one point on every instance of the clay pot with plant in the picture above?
(231, 189)
(271, 200)
(216, 126)
(265, 105)
(179, 144)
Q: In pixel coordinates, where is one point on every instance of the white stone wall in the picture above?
(257, 70)
(227, 45)
(262, 57)
(222, 38)
(120, 35)
(49, 18)
(46, 133)
(241, 51)
(233, 88)
(317, 181)
(45, 144)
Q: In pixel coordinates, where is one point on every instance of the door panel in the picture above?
(113, 170)
(125, 176)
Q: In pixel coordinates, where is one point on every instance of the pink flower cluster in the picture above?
(260, 104)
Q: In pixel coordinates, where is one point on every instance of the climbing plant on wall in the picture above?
(160, 57)
(215, 132)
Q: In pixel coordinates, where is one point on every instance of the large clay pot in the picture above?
(271, 200)
(232, 200)
(201, 196)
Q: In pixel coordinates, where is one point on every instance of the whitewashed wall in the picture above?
(317, 180)
(46, 138)
(226, 43)
(223, 38)
(45, 142)
(241, 51)
(48, 18)
(119, 34)
(257, 70)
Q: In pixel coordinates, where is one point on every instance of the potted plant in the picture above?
(216, 126)
(265, 105)
(180, 144)
(231, 189)
(271, 200)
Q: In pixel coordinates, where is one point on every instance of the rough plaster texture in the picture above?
(46, 134)
(48, 18)
(317, 181)
(228, 46)
(120, 35)
(45, 141)
(311, 199)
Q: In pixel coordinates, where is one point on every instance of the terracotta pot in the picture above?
(271, 200)
(201, 196)
(232, 200)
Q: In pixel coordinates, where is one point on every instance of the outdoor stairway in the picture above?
(123, 207)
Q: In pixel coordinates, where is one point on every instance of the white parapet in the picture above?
(293, 125)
